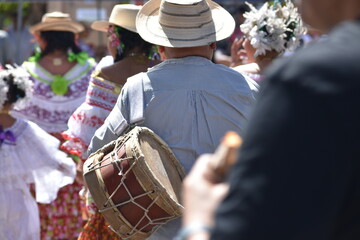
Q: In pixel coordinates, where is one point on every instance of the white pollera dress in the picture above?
(34, 158)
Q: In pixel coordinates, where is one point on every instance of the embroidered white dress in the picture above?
(33, 159)
(49, 110)
(100, 99)
(62, 218)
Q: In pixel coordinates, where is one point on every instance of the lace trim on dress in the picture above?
(101, 92)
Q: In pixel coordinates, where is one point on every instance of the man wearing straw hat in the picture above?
(187, 100)
(297, 176)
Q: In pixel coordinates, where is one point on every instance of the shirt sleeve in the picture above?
(128, 112)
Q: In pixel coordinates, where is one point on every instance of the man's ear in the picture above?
(161, 50)
(40, 41)
(213, 46)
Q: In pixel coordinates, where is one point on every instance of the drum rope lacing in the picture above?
(158, 222)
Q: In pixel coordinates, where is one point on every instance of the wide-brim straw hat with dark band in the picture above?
(57, 21)
(184, 23)
(122, 15)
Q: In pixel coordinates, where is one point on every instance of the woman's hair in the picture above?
(129, 41)
(59, 40)
(14, 92)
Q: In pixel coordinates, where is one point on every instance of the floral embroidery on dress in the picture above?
(49, 110)
(100, 99)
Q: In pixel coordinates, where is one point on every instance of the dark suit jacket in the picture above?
(298, 175)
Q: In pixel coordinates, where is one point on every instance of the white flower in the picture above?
(21, 80)
(273, 28)
(3, 89)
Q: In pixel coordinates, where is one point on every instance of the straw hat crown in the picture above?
(122, 15)
(184, 23)
(57, 21)
(55, 16)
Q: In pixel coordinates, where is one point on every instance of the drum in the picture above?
(135, 182)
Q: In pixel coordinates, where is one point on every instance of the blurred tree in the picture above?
(9, 11)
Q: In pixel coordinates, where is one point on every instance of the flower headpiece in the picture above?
(21, 80)
(115, 38)
(274, 27)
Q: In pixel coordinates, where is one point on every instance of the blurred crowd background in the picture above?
(16, 16)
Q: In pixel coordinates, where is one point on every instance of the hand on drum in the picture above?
(79, 172)
(201, 195)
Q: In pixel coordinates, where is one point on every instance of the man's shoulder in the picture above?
(331, 62)
(135, 80)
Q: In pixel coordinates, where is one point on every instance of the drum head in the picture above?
(161, 163)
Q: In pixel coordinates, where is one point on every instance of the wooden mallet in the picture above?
(225, 156)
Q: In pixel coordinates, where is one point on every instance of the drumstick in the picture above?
(225, 155)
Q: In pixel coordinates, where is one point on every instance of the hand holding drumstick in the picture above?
(204, 187)
(225, 156)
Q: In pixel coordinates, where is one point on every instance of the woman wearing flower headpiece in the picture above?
(269, 32)
(61, 73)
(22, 163)
(130, 54)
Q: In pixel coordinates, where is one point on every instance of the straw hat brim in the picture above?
(68, 26)
(149, 28)
(104, 25)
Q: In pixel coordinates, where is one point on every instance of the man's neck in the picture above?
(201, 51)
(347, 11)
(188, 54)
(6, 120)
(351, 10)
(184, 56)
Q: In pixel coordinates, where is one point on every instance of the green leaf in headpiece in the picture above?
(59, 86)
(80, 57)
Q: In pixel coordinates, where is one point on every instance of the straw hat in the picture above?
(184, 23)
(123, 15)
(57, 21)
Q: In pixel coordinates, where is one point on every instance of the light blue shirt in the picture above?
(189, 102)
